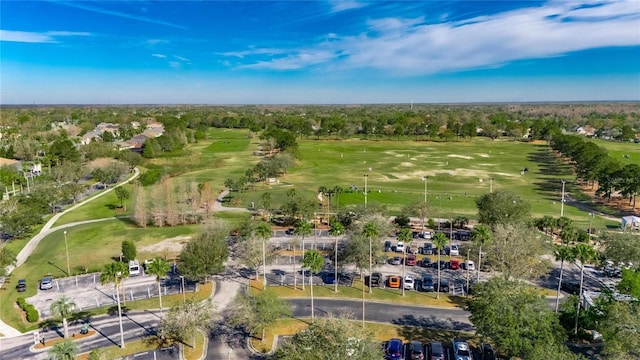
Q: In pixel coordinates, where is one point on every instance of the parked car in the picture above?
(329, 278)
(374, 279)
(394, 349)
(412, 248)
(387, 246)
(487, 352)
(427, 283)
(46, 283)
(425, 234)
(134, 268)
(443, 264)
(22, 285)
(397, 260)
(394, 281)
(444, 285)
(400, 247)
(454, 250)
(427, 248)
(454, 264)
(436, 351)
(469, 265)
(416, 350)
(425, 262)
(409, 283)
(461, 350)
(411, 260)
(571, 286)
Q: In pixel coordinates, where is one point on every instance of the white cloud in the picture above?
(251, 52)
(342, 5)
(408, 46)
(181, 58)
(161, 56)
(35, 37)
(175, 64)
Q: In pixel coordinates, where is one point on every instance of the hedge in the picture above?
(32, 313)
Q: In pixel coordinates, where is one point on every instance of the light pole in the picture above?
(184, 300)
(467, 267)
(490, 185)
(229, 354)
(66, 248)
(591, 215)
(426, 179)
(562, 201)
(365, 190)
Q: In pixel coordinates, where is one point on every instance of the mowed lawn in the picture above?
(90, 246)
(105, 206)
(618, 150)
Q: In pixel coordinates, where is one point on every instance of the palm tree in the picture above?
(312, 260)
(370, 231)
(65, 350)
(114, 273)
(460, 221)
(337, 229)
(63, 307)
(562, 253)
(264, 231)
(159, 268)
(585, 254)
(439, 241)
(481, 236)
(302, 229)
(405, 236)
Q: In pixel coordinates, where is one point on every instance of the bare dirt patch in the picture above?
(406, 164)
(173, 245)
(469, 173)
(460, 156)
(483, 155)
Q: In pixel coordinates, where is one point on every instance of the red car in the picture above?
(454, 264)
(411, 260)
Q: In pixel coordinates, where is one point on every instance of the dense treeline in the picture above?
(594, 165)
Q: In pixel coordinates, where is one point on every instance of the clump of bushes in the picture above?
(32, 313)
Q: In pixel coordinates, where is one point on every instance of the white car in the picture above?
(469, 265)
(461, 350)
(409, 282)
(454, 250)
(400, 247)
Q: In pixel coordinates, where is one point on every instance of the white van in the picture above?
(134, 268)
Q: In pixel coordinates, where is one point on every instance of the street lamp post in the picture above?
(591, 215)
(426, 179)
(467, 268)
(490, 185)
(184, 299)
(66, 248)
(365, 190)
(562, 201)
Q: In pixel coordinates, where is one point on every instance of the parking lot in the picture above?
(87, 292)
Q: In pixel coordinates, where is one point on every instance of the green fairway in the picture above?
(103, 207)
(90, 247)
(618, 150)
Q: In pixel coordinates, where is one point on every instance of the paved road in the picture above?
(438, 318)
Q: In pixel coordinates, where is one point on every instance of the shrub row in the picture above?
(32, 313)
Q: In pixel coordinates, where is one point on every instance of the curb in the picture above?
(378, 302)
(47, 348)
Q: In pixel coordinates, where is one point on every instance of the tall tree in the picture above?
(63, 308)
(331, 338)
(314, 261)
(404, 235)
(182, 321)
(336, 230)
(515, 250)
(255, 312)
(561, 253)
(621, 331)
(263, 230)
(621, 248)
(585, 254)
(140, 213)
(502, 207)
(159, 268)
(122, 194)
(481, 236)
(7, 257)
(517, 319)
(370, 231)
(114, 273)
(65, 350)
(439, 242)
(302, 228)
(205, 255)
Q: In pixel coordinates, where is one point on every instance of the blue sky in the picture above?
(327, 52)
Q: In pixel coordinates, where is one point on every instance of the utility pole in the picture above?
(591, 215)
(66, 248)
(365, 190)
(425, 178)
(562, 201)
(467, 268)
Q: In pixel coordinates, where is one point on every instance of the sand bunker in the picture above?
(470, 173)
(173, 245)
(407, 164)
(483, 155)
(460, 156)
